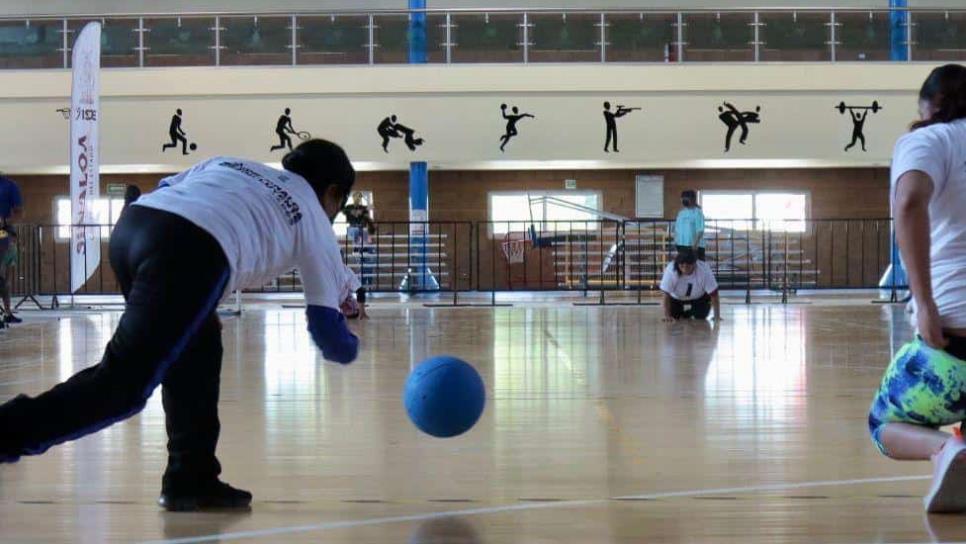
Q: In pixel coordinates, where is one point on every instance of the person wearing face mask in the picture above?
(224, 224)
(924, 386)
(689, 226)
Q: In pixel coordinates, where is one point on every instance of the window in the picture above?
(516, 211)
(341, 226)
(783, 212)
(104, 207)
(733, 210)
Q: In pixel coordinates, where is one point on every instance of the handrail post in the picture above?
(295, 41)
(680, 44)
(833, 34)
(217, 41)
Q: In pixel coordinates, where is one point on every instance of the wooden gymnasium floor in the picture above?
(602, 425)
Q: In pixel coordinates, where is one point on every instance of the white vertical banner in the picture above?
(84, 155)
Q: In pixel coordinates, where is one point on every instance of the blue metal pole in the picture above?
(899, 38)
(420, 277)
(417, 32)
(899, 30)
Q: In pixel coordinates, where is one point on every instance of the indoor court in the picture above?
(670, 245)
(602, 424)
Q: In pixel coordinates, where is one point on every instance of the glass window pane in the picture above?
(514, 212)
(863, 36)
(179, 41)
(783, 212)
(718, 37)
(510, 211)
(559, 37)
(730, 210)
(484, 37)
(119, 40)
(256, 40)
(939, 36)
(333, 39)
(63, 217)
(31, 44)
(644, 37)
(392, 35)
(795, 36)
(106, 212)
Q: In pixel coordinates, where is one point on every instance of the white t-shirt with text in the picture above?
(267, 221)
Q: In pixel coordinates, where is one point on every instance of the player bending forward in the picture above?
(226, 223)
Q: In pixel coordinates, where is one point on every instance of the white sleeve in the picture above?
(710, 283)
(350, 285)
(321, 268)
(667, 282)
(920, 150)
(181, 176)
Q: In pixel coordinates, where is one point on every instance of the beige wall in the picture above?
(456, 109)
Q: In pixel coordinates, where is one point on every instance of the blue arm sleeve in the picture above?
(329, 331)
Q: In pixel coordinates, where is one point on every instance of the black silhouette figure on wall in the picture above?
(283, 128)
(610, 118)
(858, 115)
(178, 134)
(390, 128)
(733, 118)
(511, 124)
(858, 123)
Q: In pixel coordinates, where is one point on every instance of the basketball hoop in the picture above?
(513, 251)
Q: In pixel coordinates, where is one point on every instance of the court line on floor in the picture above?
(325, 526)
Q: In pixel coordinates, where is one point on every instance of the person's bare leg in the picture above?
(907, 442)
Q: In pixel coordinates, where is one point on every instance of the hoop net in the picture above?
(513, 251)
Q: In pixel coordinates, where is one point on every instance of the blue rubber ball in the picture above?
(444, 396)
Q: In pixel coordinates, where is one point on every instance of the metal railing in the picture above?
(495, 36)
(583, 256)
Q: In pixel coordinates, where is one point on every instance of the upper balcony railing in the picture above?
(495, 36)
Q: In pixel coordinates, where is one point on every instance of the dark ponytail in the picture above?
(945, 90)
(321, 163)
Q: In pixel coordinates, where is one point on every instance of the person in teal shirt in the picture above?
(689, 226)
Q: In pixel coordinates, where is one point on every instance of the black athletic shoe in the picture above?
(215, 496)
(10, 318)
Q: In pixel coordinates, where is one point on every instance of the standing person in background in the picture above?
(11, 208)
(131, 193)
(7, 262)
(689, 226)
(11, 201)
(361, 227)
(358, 217)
